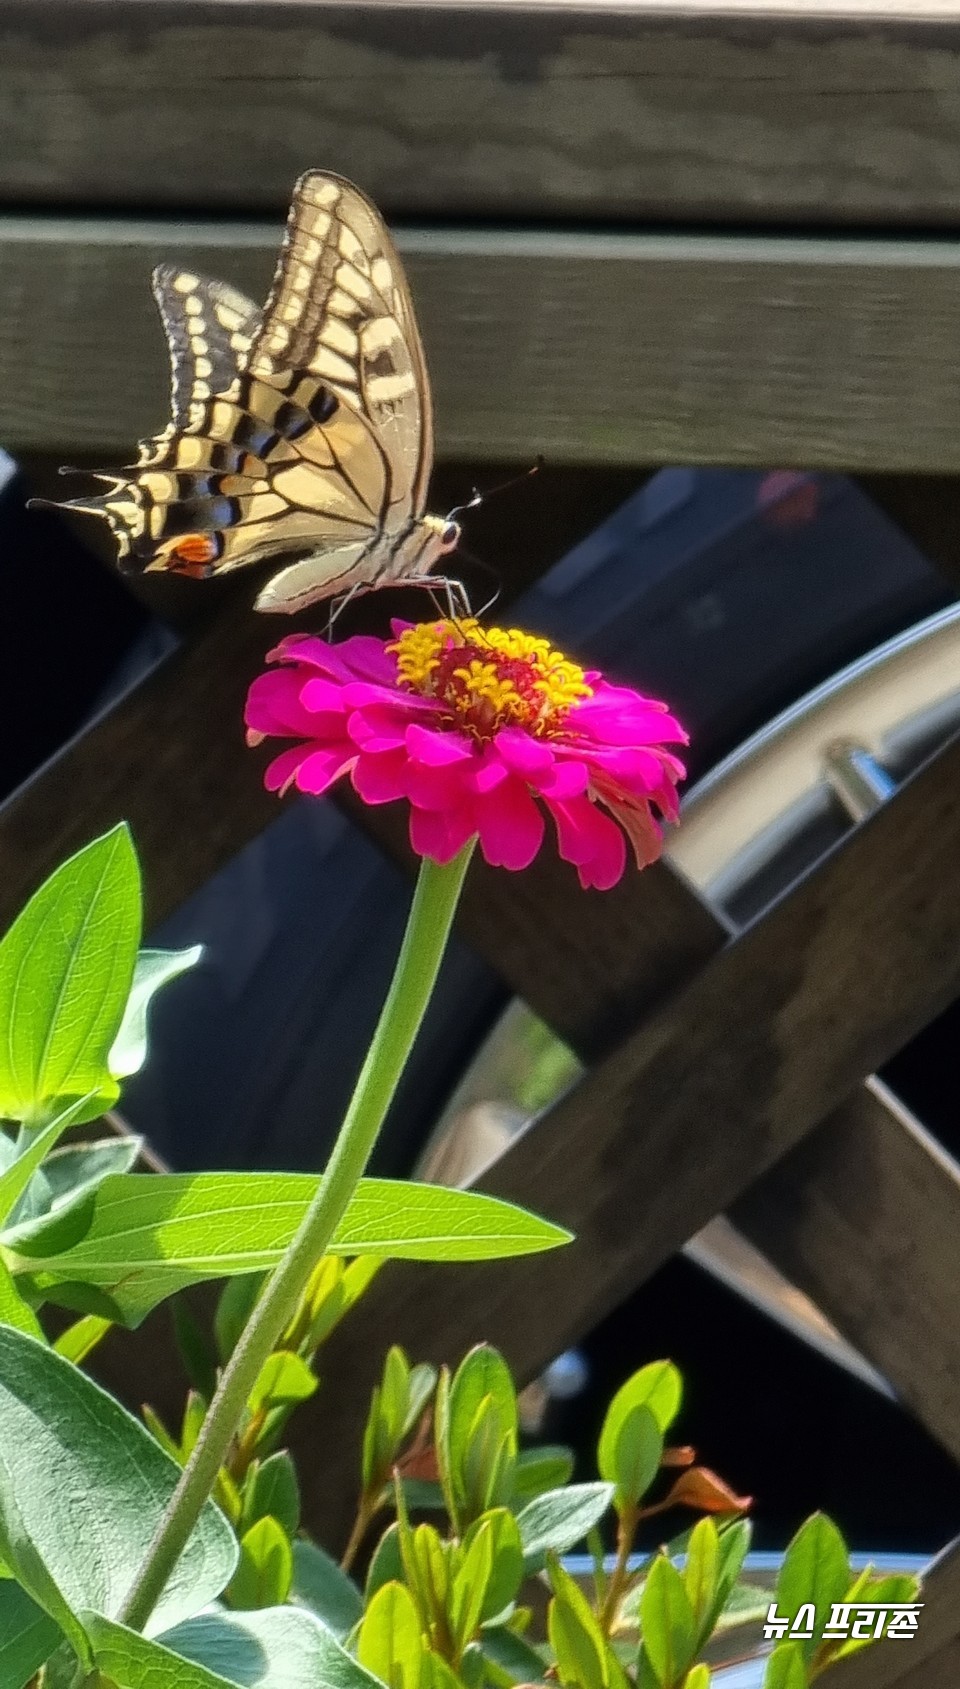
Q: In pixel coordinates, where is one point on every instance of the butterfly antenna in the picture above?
(478, 497)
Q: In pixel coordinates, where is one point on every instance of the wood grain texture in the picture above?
(604, 349)
(687, 1112)
(777, 111)
(930, 1659)
(864, 1216)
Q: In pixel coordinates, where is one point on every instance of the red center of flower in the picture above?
(490, 677)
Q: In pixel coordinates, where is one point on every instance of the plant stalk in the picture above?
(428, 928)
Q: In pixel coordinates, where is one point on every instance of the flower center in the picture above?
(490, 678)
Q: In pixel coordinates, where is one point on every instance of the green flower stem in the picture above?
(428, 928)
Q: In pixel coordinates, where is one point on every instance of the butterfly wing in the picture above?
(340, 310)
(303, 430)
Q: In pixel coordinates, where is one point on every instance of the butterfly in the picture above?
(302, 431)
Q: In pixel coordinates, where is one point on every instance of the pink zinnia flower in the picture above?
(480, 730)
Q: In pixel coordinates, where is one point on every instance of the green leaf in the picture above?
(785, 1668)
(65, 1181)
(637, 1452)
(667, 1623)
(575, 1636)
(701, 1575)
(194, 1347)
(506, 1563)
(560, 1519)
(285, 1379)
(153, 968)
(386, 1563)
(264, 1576)
(734, 1541)
(28, 1565)
(66, 968)
(549, 1467)
(389, 1643)
(19, 1172)
(235, 1304)
(153, 1234)
(14, 1310)
(272, 1487)
(69, 1453)
(482, 1427)
(513, 1660)
(280, 1648)
(698, 1677)
(321, 1586)
(468, 1586)
(658, 1387)
(136, 1663)
(27, 1636)
(816, 1568)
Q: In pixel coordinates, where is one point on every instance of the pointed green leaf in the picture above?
(560, 1519)
(66, 968)
(14, 1310)
(137, 1663)
(575, 1636)
(667, 1623)
(785, 1668)
(816, 1568)
(701, 1575)
(637, 1452)
(321, 1586)
(549, 1467)
(27, 1636)
(152, 1234)
(264, 1575)
(69, 1453)
(20, 1170)
(698, 1677)
(469, 1584)
(280, 1648)
(389, 1643)
(658, 1387)
(272, 1488)
(512, 1658)
(386, 1563)
(65, 1181)
(506, 1564)
(153, 968)
(284, 1380)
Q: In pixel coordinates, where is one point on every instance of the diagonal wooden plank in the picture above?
(930, 1659)
(864, 1216)
(718, 1084)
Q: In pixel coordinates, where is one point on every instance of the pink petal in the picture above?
(588, 838)
(321, 768)
(440, 834)
(283, 769)
(437, 749)
(510, 825)
(380, 778)
(274, 705)
(523, 753)
(437, 788)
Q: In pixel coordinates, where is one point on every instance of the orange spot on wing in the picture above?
(193, 553)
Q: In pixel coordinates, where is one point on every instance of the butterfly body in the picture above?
(302, 431)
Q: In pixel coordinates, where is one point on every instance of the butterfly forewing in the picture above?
(302, 430)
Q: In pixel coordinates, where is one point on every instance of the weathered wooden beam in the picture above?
(590, 348)
(864, 1216)
(632, 109)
